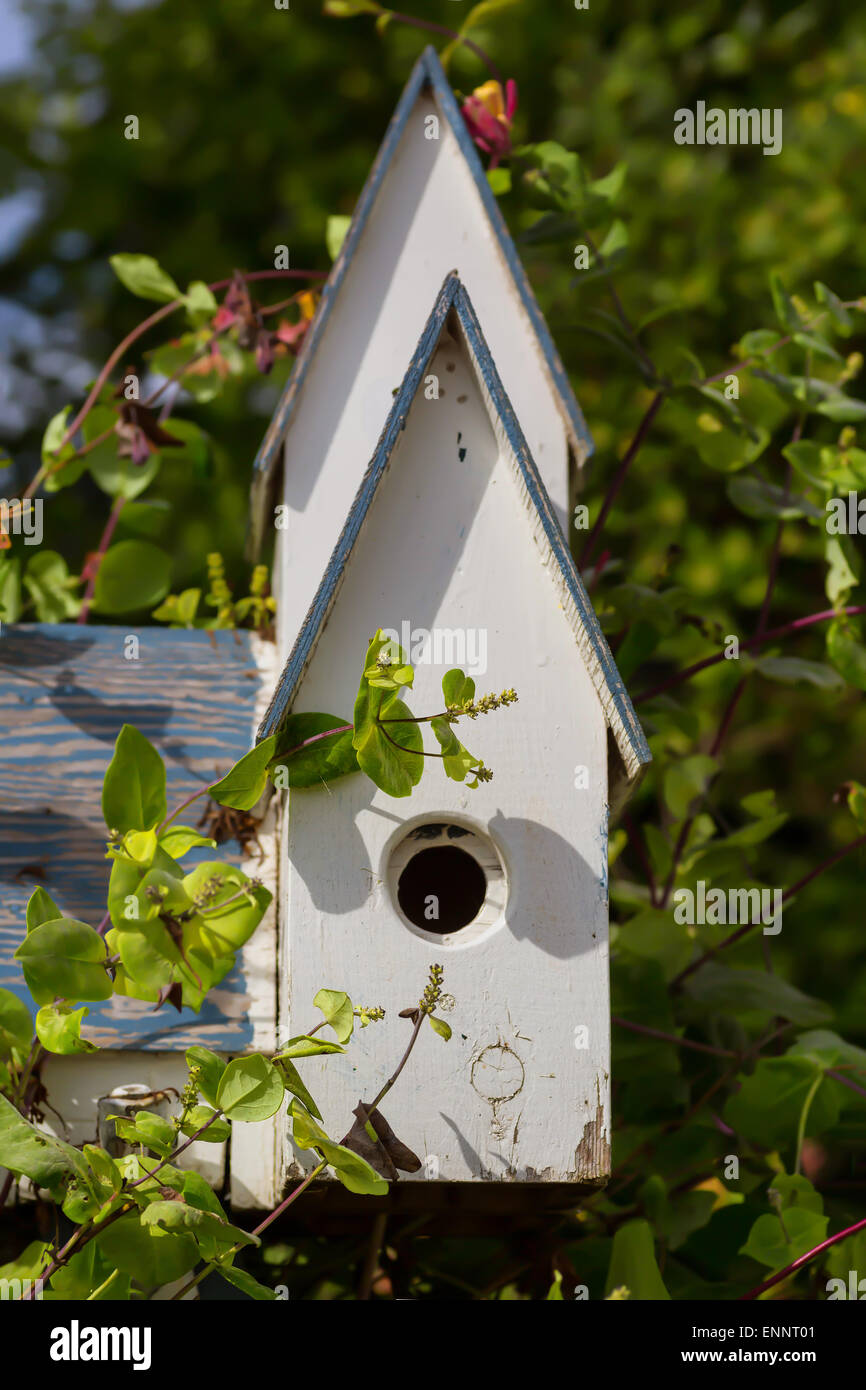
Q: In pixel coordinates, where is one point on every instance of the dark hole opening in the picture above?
(445, 881)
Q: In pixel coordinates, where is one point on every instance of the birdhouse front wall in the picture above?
(448, 554)
(427, 219)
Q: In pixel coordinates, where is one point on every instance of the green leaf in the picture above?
(844, 410)
(440, 1026)
(153, 1131)
(842, 568)
(210, 1069)
(347, 9)
(786, 313)
(246, 1283)
(243, 785)
(216, 1133)
(805, 456)
(120, 477)
(133, 791)
(33, 1259)
(41, 908)
(58, 1028)
(353, 1171)
(457, 687)
(765, 501)
(778, 1240)
(292, 1081)
(133, 575)
(144, 277)
(655, 935)
(838, 312)
(54, 432)
(68, 958)
(615, 243)
(499, 180)
(179, 609)
(812, 342)
(250, 1089)
(828, 1049)
(152, 1256)
(476, 16)
(395, 769)
(64, 464)
(790, 669)
(794, 1190)
(857, 803)
(610, 187)
(846, 651)
(769, 1103)
(10, 589)
(149, 955)
(741, 991)
(84, 1274)
(305, 1046)
(26, 1151)
(633, 1263)
(177, 840)
(321, 761)
(200, 302)
(336, 1005)
(49, 584)
(16, 1025)
(336, 228)
(233, 911)
(759, 342)
(556, 177)
(457, 761)
(686, 780)
(178, 1217)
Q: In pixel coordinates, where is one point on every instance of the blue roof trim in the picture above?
(451, 296)
(428, 72)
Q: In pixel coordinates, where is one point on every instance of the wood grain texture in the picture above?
(65, 691)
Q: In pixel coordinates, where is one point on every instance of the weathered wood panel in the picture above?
(65, 691)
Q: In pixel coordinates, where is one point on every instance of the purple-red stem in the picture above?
(802, 1260)
(786, 897)
(144, 327)
(750, 642)
(620, 476)
(104, 543)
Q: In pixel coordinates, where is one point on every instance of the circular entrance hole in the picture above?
(445, 880)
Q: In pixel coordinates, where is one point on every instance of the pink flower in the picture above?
(488, 114)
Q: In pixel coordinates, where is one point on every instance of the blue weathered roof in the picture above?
(618, 708)
(65, 691)
(427, 73)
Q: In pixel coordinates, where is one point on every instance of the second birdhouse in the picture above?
(452, 548)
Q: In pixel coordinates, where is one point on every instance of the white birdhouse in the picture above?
(452, 547)
(424, 490)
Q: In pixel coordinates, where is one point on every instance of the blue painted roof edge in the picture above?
(428, 71)
(454, 296)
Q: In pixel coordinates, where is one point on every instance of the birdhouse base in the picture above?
(453, 1208)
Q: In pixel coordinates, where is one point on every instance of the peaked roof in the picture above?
(428, 73)
(619, 712)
